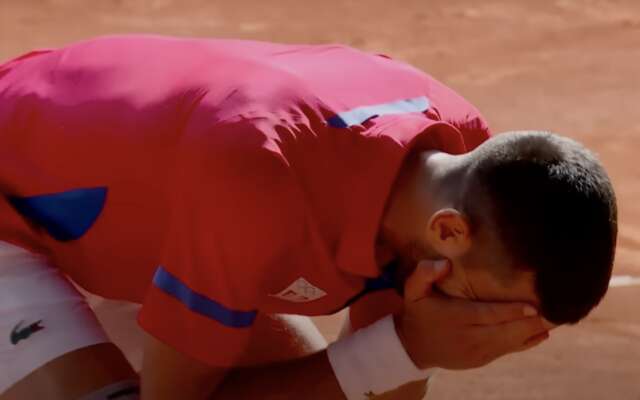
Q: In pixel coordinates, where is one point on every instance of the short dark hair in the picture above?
(554, 209)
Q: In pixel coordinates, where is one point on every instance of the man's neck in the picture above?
(384, 253)
(427, 182)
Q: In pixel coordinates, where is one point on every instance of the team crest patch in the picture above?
(300, 291)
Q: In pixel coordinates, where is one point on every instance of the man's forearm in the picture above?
(309, 377)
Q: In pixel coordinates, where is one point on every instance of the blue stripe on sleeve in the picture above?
(359, 115)
(201, 304)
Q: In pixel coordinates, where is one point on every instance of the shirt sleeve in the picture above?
(231, 202)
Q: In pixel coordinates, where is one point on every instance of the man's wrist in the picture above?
(398, 322)
(373, 360)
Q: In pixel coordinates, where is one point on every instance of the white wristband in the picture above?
(373, 361)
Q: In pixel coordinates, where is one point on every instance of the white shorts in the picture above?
(42, 315)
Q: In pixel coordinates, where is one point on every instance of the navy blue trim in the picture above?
(201, 304)
(358, 115)
(124, 392)
(383, 282)
(65, 216)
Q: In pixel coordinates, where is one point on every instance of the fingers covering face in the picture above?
(514, 336)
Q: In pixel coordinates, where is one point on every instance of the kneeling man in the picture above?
(221, 184)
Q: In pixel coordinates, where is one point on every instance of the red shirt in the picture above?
(211, 180)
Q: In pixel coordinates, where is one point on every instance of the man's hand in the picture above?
(458, 334)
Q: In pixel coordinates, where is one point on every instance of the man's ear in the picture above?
(449, 233)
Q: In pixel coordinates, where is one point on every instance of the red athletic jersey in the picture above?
(211, 180)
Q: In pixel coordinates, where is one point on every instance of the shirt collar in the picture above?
(373, 172)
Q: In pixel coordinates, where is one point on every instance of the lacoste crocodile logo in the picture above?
(19, 333)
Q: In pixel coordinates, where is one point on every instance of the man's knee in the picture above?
(74, 375)
(123, 390)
